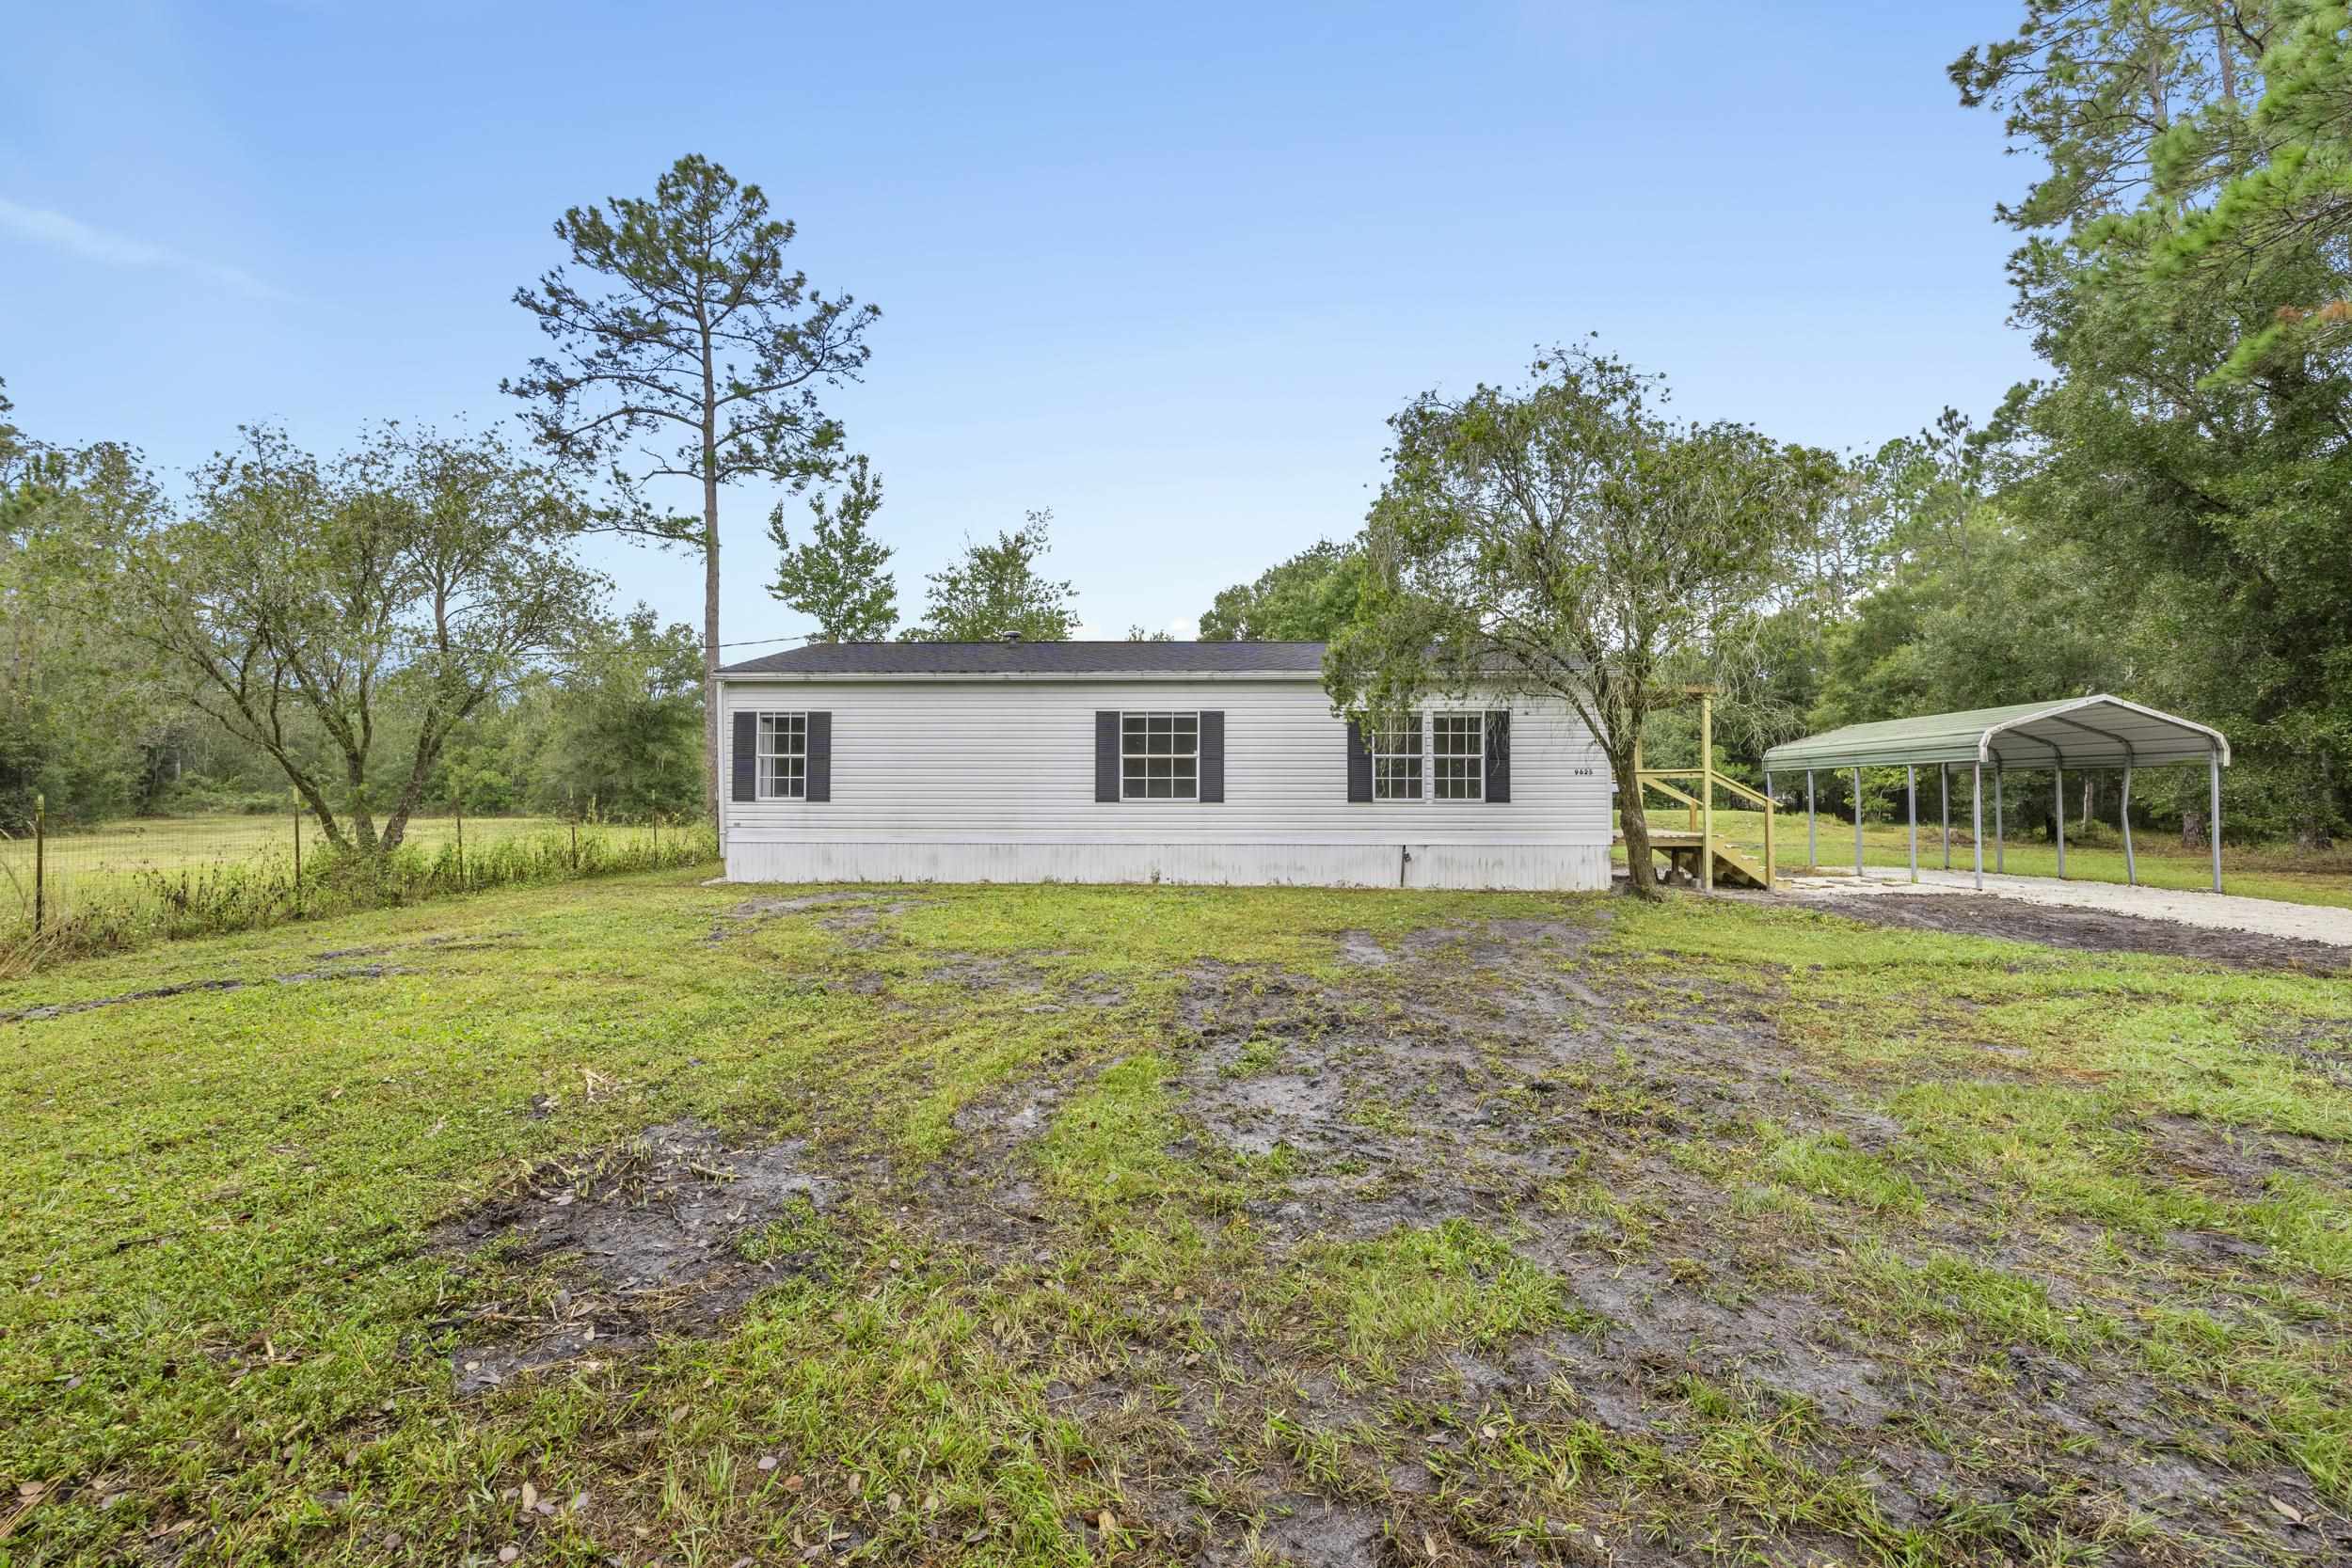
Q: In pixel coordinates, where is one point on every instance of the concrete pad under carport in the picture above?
(2220, 911)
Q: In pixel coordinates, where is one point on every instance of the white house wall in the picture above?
(994, 780)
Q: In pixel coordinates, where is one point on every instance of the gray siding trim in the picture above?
(1212, 757)
(820, 756)
(1106, 756)
(1498, 728)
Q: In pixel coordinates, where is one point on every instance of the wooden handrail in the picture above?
(1652, 776)
(1670, 791)
(1745, 793)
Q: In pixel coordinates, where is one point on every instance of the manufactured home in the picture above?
(1133, 762)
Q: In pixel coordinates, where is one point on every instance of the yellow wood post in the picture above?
(1706, 792)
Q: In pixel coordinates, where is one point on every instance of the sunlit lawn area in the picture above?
(639, 1221)
(108, 862)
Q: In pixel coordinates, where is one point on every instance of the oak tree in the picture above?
(840, 577)
(994, 590)
(299, 602)
(1565, 540)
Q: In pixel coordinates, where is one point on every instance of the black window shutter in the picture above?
(1498, 756)
(1213, 757)
(746, 758)
(1107, 754)
(1358, 763)
(821, 756)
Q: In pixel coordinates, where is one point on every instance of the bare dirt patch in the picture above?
(1598, 1119)
(648, 1237)
(192, 988)
(857, 912)
(2083, 930)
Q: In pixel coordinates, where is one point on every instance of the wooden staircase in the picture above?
(1733, 866)
(1699, 852)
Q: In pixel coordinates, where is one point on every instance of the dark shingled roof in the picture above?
(1037, 658)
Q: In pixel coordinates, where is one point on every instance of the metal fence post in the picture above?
(40, 860)
(575, 824)
(297, 827)
(457, 806)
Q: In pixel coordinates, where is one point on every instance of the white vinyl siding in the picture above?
(994, 780)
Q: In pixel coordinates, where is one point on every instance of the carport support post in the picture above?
(2058, 784)
(2131, 867)
(1944, 776)
(1910, 804)
(1857, 821)
(1976, 804)
(1812, 832)
(2000, 850)
(2213, 824)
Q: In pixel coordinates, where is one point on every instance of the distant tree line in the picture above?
(405, 626)
(2166, 515)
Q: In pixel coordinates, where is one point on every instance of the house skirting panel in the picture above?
(1540, 866)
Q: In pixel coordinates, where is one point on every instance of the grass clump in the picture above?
(1380, 1303)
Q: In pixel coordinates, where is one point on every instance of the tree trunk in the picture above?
(2192, 828)
(711, 624)
(1641, 872)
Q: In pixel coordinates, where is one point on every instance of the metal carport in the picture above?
(2077, 732)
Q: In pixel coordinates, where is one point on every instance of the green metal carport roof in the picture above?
(2077, 732)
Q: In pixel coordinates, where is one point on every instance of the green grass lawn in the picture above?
(2256, 872)
(628, 1221)
(108, 861)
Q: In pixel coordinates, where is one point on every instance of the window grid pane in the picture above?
(1396, 765)
(783, 754)
(1159, 756)
(1459, 747)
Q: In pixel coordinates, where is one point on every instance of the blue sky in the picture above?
(1165, 270)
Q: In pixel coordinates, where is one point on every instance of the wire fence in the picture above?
(84, 889)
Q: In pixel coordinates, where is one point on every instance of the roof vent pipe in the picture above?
(1012, 637)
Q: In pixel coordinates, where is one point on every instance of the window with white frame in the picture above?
(1159, 756)
(1396, 762)
(783, 756)
(1457, 754)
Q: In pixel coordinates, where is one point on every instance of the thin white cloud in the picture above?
(1183, 630)
(77, 238)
